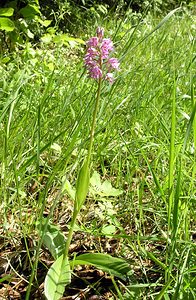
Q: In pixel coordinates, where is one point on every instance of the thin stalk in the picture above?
(172, 158)
(194, 133)
(70, 234)
(38, 140)
(117, 288)
(92, 133)
(171, 180)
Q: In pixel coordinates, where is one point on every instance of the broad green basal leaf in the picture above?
(53, 239)
(112, 265)
(58, 276)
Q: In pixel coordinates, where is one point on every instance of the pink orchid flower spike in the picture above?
(97, 59)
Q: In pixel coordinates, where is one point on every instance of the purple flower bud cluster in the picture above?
(97, 60)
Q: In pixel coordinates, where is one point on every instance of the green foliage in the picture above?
(6, 12)
(96, 187)
(69, 15)
(5, 23)
(72, 16)
(82, 185)
(19, 26)
(22, 25)
(104, 189)
(155, 6)
(58, 276)
(51, 37)
(46, 101)
(30, 11)
(112, 265)
(53, 239)
(24, 21)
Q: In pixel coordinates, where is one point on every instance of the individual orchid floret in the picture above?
(106, 48)
(93, 42)
(97, 59)
(95, 72)
(107, 44)
(113, 63)
(100, 33)
(109, 77)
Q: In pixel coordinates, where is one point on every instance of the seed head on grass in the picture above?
(97, 59)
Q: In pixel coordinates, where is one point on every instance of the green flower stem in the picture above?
(92, 133)
(70, 234)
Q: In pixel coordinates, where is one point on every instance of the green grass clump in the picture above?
(145, 145)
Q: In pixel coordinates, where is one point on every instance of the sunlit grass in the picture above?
(144, 144)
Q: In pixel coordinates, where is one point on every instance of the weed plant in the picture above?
(144, 145)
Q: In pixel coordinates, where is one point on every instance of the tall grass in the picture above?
(144, 144)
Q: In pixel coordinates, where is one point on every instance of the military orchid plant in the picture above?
(100, 65)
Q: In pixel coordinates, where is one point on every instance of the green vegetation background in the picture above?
(141, 204)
